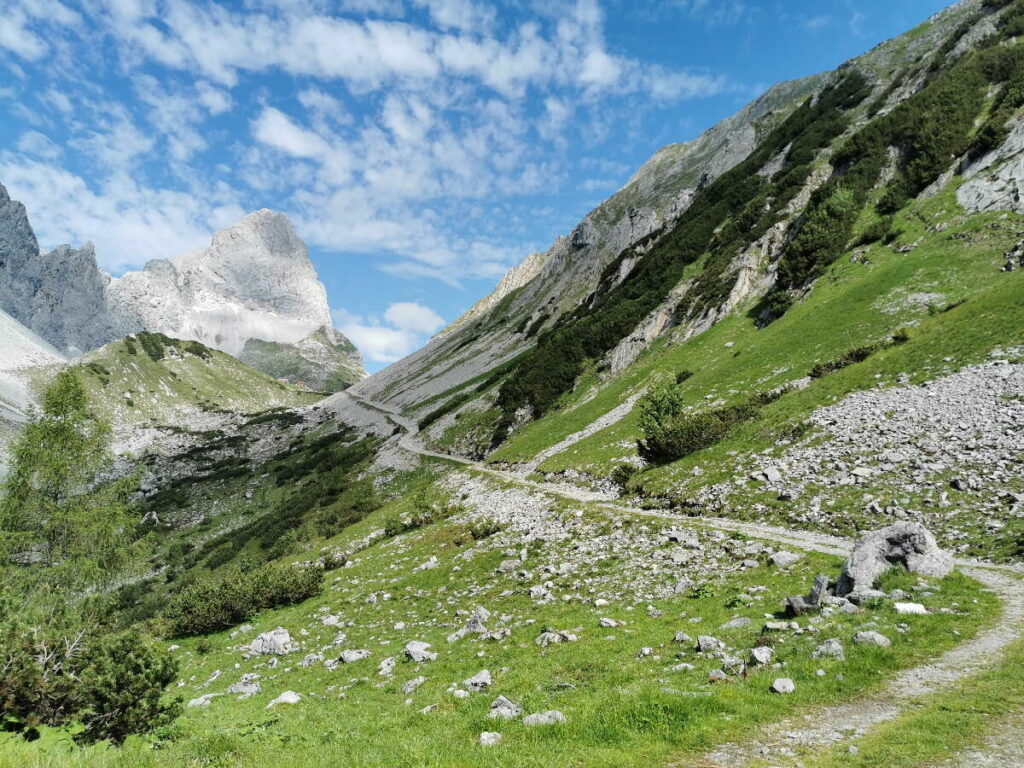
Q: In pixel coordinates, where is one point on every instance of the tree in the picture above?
(56, 518)
(65, 535)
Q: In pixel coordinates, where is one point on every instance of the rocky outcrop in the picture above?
(996, 181)
(324, 361)
(58, 294)
(254, 281)
(904, 545)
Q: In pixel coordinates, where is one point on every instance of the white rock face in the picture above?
(21, 353)
(254, 281)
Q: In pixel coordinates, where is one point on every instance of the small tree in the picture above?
(55, 518)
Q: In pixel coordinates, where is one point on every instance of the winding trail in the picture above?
(787, 742)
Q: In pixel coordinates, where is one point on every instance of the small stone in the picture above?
(551, 717)
(419, 652)
(783, 685)
(872, 638)
(479, 681)
(504, 709)
(350, 656)
(490, 739)
(915, 609)
(783, 559)
(761, 655)
(288, 697)
(830, 649)
(736, 623)
(412, 685)
(682, 637)
(707, 644)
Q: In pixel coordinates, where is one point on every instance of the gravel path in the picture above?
(783, 743)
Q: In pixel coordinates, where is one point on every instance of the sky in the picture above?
(420, 147)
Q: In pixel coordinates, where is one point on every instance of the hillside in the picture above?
(148, 385)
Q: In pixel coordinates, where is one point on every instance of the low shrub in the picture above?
(219, 603)
(671, 432)
(851, 356)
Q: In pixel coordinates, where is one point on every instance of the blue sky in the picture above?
(421, 147)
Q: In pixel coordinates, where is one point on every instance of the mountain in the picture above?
(25, 361)
(254, 282)
(745, 219)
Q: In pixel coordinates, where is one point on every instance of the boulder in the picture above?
(552, 717)
(830, 649)
(479, 681)
(274, 643)
(288, 697)
(504, 709)
(419, 652)
(906, 544)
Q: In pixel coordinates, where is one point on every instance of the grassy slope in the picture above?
(136, 389)
(842, 311)
(622, 710)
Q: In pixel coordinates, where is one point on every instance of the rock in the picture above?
(311, 659)
(736, 623)
(350, 656)
(830, 649)
(906, 544)
(551, 717)
(489, 739)
(682, 637)
(276, 642)
(509, 566)
(708, 644)
(608, 623)
(783, 685)
(288, 697)
(247, 686)
(783, 559)
(202, 701)
(387, 667)
(870, 637)
(772, 475)
(504, 709)
(419, 652)
(555, 636)
(761, 655)
(479, 681)
(915, 609)
(717, 676)
(411, 685)
(862, 596)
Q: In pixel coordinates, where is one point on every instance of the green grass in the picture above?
(941, 725)
(622, 710)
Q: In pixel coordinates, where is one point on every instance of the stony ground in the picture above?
(968, 424)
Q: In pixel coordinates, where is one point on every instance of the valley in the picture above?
(732, 475)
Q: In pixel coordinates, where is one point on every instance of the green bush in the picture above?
(670, 432)
(683, 376)
(216, 604)
(851, 356)
(622, 474)
(58, 673)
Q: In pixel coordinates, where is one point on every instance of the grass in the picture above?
(622, 710)
(941, 725)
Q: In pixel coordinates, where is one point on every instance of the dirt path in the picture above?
(785, 743)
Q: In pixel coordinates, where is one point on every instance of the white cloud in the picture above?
(459, 14)
(410, 316)
(404, 329)
(35, 143)
(276, 129)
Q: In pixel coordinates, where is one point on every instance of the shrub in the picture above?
(622, 474)
(670, 432)
(683, 376)
(59, 672)
(851, 356)
(216, 604)
(483, 529)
